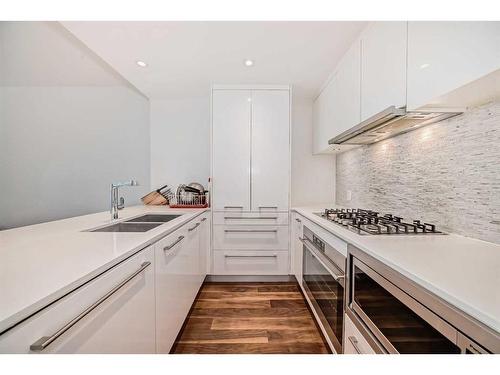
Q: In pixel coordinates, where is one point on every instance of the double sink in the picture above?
(142, 223)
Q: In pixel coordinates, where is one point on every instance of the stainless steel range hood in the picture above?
(387, 124)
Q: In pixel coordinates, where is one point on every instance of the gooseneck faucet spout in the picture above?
(115, 203)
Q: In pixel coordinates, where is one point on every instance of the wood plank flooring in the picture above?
(250, 318)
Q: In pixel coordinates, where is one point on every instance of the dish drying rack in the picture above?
(185, 199)
(188, 200)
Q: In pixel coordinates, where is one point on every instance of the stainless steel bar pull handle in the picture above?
(193, 228)
(168, 247)
(354, 343)
(45, 341)
(250, 230)
(270, 207)
(251, 256)
(247, 218)
(241, 207)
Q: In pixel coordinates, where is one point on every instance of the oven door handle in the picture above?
(306, 242)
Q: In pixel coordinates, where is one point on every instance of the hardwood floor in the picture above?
(250, 318)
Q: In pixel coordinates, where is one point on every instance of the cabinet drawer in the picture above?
(354, 342)
(250, 218)
(230, 262)
(251, 237)
(124, 322)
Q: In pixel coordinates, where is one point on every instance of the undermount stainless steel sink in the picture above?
(127, 227)
(152, 218)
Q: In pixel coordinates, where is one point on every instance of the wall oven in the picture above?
(323, 281)
(393, 320)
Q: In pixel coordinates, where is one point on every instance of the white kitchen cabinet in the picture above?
(444, 56)
(270, 150)
(204, 246)
(354, 341)
(296, 247)
(383, 67)
(250, 218)
(322, 117)
(177, 281)
(258, 220)
(251, 237)
(338, 107)
(231, 118)
(251, 262)
(122, 323)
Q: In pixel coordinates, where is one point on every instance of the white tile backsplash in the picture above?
(447, 173)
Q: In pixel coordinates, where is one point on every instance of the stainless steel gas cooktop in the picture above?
(370, 222)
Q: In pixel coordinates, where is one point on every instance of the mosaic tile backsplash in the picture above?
(446, 173)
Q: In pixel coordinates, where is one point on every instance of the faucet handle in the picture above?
(122, 203)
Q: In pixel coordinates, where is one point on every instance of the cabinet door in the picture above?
(122, 323)
(270, 150)
(204, 246)
(443, 56)
(297, 248)
(173, 295)
(193, 239)
(383, 67)
(346, 95)
(231, 149)
(323, 117)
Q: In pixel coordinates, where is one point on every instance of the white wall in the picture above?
(313, 177)
(69, 126)
(180, 141)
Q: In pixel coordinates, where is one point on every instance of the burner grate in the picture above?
(372, 222)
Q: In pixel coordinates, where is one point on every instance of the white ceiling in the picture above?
(185, 58)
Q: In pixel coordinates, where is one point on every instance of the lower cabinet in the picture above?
(180, 260)
(296, 247)
(250, 243)
(354, 342)
(114, 313)
(251, 262)
(138, 306)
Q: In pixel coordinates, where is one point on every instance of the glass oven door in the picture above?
(399, 322)
(325, 293)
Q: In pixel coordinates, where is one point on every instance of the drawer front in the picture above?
(112, 326)
(250, 237)
(354, 342)
(230, 262)
(250, 218)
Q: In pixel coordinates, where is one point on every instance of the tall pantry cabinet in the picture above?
(250, 179)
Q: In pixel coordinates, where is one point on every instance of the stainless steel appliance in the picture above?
(389, 123)
(323, 280)
(395, 315)
(365, 222)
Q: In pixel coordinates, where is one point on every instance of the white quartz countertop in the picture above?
(463, 271)
(40, 263)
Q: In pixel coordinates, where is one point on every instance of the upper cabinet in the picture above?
(383, 67)
(417, 65)
(337, 108)
(444, 56)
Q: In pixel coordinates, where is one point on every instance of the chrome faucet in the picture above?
(115, 203)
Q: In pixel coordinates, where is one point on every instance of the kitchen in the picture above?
(257, 187)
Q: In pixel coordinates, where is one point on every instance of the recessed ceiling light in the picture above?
(141, 63)
(423, 66)
(248, 62)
